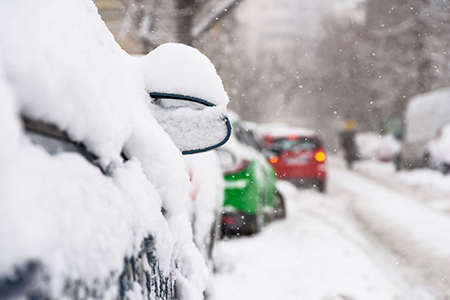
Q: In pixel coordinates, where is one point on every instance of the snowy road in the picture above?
(375, 235)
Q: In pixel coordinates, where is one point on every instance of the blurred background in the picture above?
(309, 63)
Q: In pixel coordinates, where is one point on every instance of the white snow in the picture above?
(188, 68)
(425, 227)
(206, 196)
(314, 254)
(209, 123)
(60, 64)
(279, 130)
(427, 186)
(372, 145)
(365, 239)
(426, 113)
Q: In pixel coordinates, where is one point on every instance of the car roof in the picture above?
(285, 131)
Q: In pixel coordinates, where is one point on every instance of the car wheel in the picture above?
(398, 162)
(257, 225)
(446, 169)
(279, 206)
(321, 186)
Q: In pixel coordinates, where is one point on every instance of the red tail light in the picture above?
(320, 156)
(227, 220)
(273, 159)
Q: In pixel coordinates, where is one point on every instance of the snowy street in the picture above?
(155, 150)
(376, 234)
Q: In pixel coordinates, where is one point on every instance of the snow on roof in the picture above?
(372, 145)
(279, 130)
(426, 113)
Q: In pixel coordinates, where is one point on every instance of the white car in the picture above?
(93, 186)
(438, 150)
(425, 114)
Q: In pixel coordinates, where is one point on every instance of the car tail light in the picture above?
(228, 220)
(273, 159)
(320, 156)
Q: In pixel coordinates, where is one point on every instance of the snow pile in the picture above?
(60, 64)
(189, 68)
(207, 193)
(374, 146)
(439, 148)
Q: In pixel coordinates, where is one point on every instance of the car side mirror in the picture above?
(194, 125)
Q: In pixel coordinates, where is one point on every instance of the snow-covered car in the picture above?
(298, 154)
(93, 185)
(424, 115)
(438, 150)
(205, 207)
(251, 198)
(374, 146)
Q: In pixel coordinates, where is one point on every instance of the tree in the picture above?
(156, 21)
(372, 68)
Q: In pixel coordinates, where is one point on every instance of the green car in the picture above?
(251, 198)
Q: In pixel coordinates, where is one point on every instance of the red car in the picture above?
(299, 158)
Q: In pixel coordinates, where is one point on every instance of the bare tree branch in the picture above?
(221, 11)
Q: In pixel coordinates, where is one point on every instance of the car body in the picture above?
(438, 150)
(373, 146)
(424, 115)
(206, 195)
(93, 184)
(251, 198)
(298, 155)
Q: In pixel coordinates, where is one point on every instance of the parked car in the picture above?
(373, 146)
(205, 207)
(298, 155)
(424, 115)
(438, 150)
(93, 186)
(251, 197)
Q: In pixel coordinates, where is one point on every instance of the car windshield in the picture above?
(297, 144)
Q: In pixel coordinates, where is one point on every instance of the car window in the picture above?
(245, 136)
(296, 144)
(55, 141)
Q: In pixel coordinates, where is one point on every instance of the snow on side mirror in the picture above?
(194, 125)
(187, 97)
